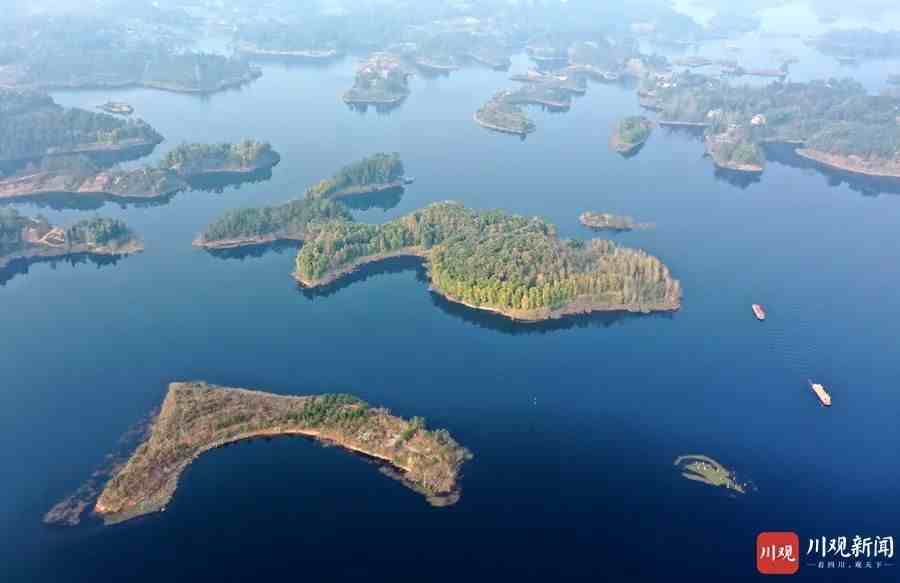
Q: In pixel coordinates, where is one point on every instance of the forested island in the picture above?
(294, 220)
(261, 226)
(608, 222)
(196, 417)
(833, 122)
(34, 239)
(381, 80)
(489, 260)
(32, 126)
(195, 160)
(79, 174)
(552, 90)
(369, 175)
(500, 115)
(630, 135)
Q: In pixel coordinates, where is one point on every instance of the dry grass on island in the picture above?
(704, 469)
(196, 417)
(33, 239)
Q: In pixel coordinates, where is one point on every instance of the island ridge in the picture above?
(196, 417)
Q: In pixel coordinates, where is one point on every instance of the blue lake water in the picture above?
(574, 425)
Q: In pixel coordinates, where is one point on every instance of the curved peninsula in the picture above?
(25, 239)
(380, 173)
(489, 260)
(196, 417)
(630, 135)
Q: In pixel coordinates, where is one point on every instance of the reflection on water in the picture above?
(392, 265)
(502, 324)
(633, 152)
(736, 178)
(480, 318)
(380, 108)
(384, 200)
(21, 266)
(217, 182)
(254, 251)
(786, 155)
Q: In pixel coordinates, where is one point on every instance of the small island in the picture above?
(551, 90)
(290, 222)
(489, 260)
(196, 417)
(25, 239)
(701, 468)
(197, 160)
(630, 135)
(116, 108)
(607, 222)
(732, 150)
(381, 80)
(371, 175)
(501, 116)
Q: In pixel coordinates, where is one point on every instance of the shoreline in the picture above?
(121, 148)
(578, 306)
(682, 124)
(196, 417)
(845, 164)
(373, 100)
(37, 252)
(369, 189)
(236, 243)
(94, 185)
(625, 148)
(146, 507)
(157, 85)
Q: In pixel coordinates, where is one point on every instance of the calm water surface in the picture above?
(574, 426)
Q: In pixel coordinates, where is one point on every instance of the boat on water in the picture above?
(821, 393)
(759, 312)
